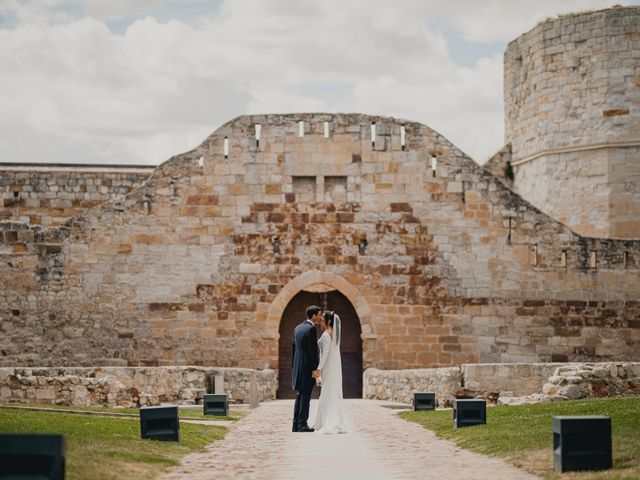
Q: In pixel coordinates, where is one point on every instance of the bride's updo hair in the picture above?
(329, 317)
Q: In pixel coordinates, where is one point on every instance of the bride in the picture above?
(330, 417)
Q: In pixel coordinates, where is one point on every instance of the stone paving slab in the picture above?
(379, 445)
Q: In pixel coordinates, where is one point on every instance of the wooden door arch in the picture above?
(350, 347)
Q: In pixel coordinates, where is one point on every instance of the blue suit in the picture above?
(305, 361)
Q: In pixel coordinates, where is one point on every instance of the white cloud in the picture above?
(502, 21)
(72, 90)
(114, 9)
(104, 10)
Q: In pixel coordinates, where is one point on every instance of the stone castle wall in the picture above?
(457, 268)
(572, 117)
(50, 194)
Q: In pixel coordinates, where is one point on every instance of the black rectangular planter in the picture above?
(581, 443)
(469, 412)
(216, 404)
(160, 423)
(32, 456)
(424, 401)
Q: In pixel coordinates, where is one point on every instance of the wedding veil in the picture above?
(337, 329)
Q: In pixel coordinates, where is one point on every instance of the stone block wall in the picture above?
(50, 194)
(594, 192)
(456, 268)
(516, 379)
(506, 383)
(400, 385)
(573, 81)
(572, 118)
(116, 386)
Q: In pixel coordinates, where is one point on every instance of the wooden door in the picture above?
(350, 345)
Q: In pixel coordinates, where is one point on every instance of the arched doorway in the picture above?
(350, 345)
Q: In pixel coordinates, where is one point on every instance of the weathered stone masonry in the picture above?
(572, 120)
(456, 269)
(131, 386)
(49, 194)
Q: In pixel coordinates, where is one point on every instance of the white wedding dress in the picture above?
(330, 416)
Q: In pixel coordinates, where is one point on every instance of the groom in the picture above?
(304, 368)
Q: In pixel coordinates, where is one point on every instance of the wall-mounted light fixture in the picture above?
(276, 245)
(362, 246)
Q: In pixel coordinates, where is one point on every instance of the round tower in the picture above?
(572, 117)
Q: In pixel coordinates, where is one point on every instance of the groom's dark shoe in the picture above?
(305, 428)
(294, 428)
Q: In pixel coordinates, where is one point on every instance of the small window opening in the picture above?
(201, 162)
(226, 147)
(301, 129)
(534, 255)
(434, 166)
(593, 261)
(258, 132)
(625, 260)
(373, 135)
(563, 258)
(403, 142)
(326, 129)
(362, 246)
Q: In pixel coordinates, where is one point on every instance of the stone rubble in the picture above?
(505, 383)
(573, 382)
(130, 386)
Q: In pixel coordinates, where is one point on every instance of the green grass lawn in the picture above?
(522, 434)
(185, 412)
(109, 447)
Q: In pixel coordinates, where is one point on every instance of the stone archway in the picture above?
(312, 281)
(341, 296)
(350, 348)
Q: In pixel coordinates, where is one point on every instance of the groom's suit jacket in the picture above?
(305, 357)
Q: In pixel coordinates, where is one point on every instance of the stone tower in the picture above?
(572, 120)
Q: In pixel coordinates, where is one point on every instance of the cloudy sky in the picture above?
(136, 81)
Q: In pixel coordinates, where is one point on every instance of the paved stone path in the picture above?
(379, 446)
